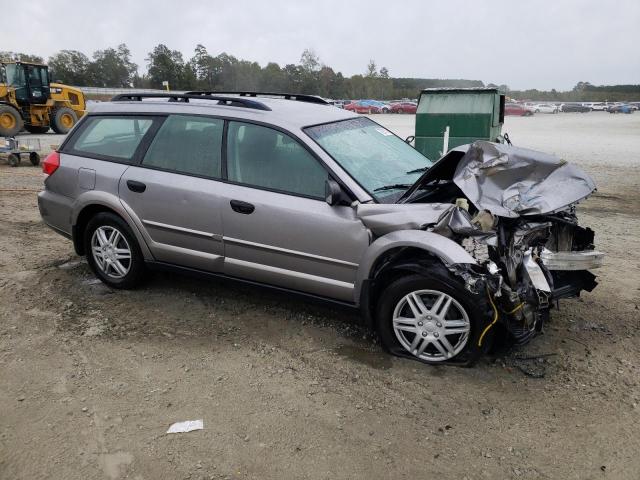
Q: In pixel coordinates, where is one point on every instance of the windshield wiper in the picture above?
(418, 170)
(395, 186)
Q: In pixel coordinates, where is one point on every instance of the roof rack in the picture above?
(287, 96)
(184, 98)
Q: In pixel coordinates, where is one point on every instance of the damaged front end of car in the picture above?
(513, 211)
(526, 264)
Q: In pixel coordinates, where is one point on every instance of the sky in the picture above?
(539, 44)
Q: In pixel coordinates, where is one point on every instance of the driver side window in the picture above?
(264, 157)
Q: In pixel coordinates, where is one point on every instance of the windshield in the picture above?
(382, 163)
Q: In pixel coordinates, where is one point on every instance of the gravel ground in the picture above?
(92, 378)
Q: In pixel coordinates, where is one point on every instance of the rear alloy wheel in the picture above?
(63, 119)
(431, 319)
(112, 251)
(400, 110)
(10, 121)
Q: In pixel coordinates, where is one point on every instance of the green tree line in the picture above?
(113, 67)
(583, 92)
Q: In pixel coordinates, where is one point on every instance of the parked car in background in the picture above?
(600, 107)
(340, 103)
(545, 108)
(620, 109)
(517, 109)
(368, 106)
(404, 107)
(575, 107)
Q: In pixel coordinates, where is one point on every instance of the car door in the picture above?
(278, 229)
(174, 196)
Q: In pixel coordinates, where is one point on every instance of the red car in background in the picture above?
(404, 107)
(367, 106)
(517, 109)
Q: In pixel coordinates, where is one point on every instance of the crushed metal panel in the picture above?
(385, 218)
(511, 182)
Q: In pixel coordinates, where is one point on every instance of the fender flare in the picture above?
(445, 249)
(95, 198)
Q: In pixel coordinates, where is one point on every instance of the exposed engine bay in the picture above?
(513, 211)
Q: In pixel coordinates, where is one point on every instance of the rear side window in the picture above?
(113, 137)
(187, 144)
(267, 158)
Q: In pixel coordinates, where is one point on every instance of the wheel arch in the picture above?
(91, 207)
(398, 252)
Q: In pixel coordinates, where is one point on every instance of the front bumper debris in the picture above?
(582, 260)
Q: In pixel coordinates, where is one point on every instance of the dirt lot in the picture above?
(92, 378)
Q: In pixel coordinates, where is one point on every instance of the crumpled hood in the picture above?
(511, 181)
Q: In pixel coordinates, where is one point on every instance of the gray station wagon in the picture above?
(289, 192)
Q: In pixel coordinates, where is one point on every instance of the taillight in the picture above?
(51, 163)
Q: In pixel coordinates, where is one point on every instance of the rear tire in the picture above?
(36, 130)
(10, 121)
(63, 119)
(431, 338)
(113, 252)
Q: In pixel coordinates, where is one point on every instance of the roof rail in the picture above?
(287, 96)
(184, 98)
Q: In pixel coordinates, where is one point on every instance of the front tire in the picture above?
(432, 318)
(10, 121)
(113, 252)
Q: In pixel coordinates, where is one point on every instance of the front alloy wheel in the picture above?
(431, 325)
(432, 317)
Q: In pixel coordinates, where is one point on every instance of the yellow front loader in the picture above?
(28, 100)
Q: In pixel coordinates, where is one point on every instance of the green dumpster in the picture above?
(449, 117)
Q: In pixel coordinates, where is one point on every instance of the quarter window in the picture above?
(187, 144)
(111, 136)
(264, 157)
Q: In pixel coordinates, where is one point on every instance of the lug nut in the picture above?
(428, 317)
(439, 324)
(424, 334)
(436, 334)
(420, 324)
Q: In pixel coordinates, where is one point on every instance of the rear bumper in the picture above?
(55, 210)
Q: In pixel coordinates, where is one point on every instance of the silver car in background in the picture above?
(285, 191)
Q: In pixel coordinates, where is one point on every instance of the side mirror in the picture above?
(409, 139)
(333, 194)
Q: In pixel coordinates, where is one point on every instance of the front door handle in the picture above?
(242, 207)
(137, 187)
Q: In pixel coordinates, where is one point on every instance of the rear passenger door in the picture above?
(174, 193)
(278, 228)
